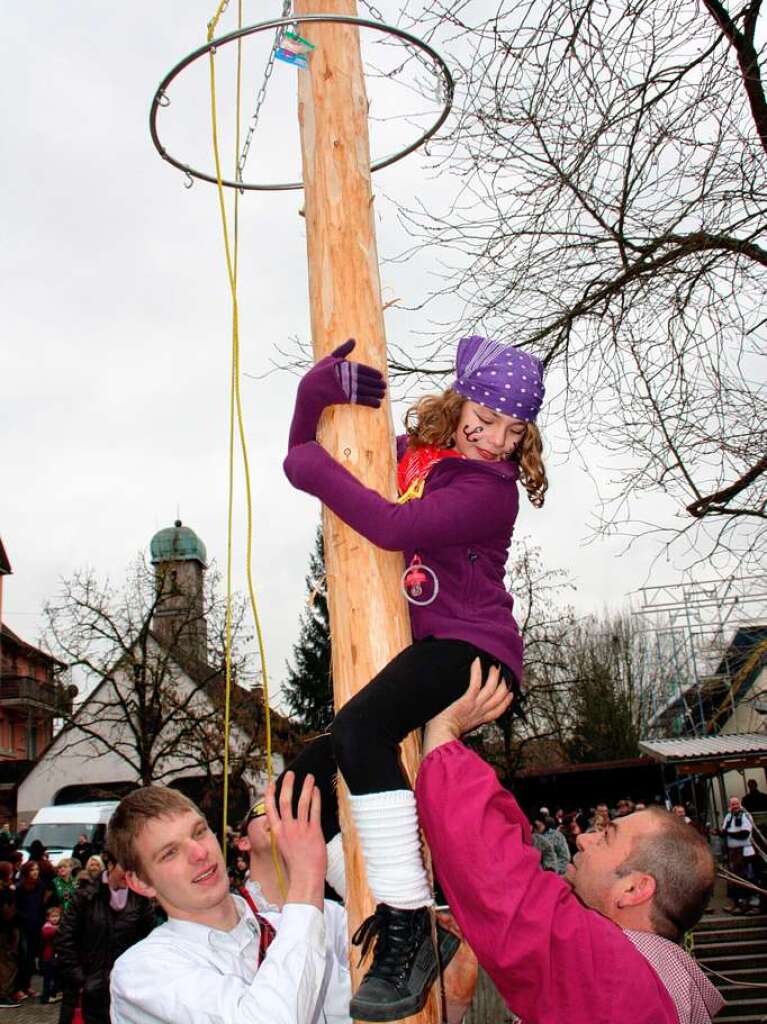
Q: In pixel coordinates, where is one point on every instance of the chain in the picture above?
(261, 95)
(412, 50)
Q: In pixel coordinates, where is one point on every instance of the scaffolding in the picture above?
(689, 629)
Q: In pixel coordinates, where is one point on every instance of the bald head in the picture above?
(650, 871)
(678, 858)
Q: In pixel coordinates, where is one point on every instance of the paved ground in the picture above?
(30, 1011)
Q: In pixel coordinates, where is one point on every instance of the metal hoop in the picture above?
(161, 98)
(406, 593)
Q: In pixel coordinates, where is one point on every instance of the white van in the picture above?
(59, 827)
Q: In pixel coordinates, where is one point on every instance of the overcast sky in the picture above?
(115, 319)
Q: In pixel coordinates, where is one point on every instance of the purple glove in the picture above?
(333, 381)
(363, 385)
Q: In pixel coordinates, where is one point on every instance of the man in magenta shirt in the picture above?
(600, 945)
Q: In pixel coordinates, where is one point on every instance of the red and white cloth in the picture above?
(416, 463)
(695, 998)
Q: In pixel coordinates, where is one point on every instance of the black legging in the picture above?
(365, 735)
(317, 759)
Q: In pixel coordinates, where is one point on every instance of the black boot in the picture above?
(404, 963)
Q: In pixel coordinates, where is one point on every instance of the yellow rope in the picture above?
(235, 414)
(230, 504)
(213, 23)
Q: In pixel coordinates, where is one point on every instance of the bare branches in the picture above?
(150, 702)
(609, 212)
(718, 502)
(593, 684)
(748, 58)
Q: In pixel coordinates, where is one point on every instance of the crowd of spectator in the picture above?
(68, 923)
(71, 921)
(556, 835)
(732, 839)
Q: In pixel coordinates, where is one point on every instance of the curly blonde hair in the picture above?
(433, 420)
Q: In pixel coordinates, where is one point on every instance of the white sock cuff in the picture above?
(387, 825)
(392, 798)
(336, 873)
(384, 814)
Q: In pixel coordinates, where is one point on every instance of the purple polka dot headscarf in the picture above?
(499, 376)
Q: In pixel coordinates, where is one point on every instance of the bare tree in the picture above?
(155, 703)
(609, 214)
(546, 623)
(592, 684)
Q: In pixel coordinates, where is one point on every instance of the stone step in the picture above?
(720, 950)
(742, 975)
(743, 992)
(736, 934)
(729, 962)
(745, 948)
(743, 1011)
(730, 921)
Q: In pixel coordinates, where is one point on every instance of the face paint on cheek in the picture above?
(472, 435)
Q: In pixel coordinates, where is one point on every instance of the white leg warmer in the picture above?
(387, 824)
(336, 873)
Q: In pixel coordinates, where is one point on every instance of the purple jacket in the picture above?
(553, 960)
(461, 528)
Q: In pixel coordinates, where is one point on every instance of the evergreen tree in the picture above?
(615, 681)
(309, 686)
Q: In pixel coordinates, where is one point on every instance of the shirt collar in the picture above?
(243, 933)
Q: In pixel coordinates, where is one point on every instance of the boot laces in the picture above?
(399, 934)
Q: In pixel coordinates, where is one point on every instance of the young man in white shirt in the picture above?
(208, 962)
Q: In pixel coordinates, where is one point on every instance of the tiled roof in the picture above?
(703, 748)
(8, 636)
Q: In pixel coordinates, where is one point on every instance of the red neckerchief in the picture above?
(268, 934)
(416, 464)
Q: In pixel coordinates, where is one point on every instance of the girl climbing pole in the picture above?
(460, 462)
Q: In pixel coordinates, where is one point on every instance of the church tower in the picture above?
(179, 558)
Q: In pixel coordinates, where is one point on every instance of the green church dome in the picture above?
(177, 543)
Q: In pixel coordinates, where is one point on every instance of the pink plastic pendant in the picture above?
(415, 580)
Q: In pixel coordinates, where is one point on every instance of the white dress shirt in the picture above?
(186, 973)
(337, 984)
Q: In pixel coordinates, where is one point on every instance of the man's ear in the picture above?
(138, 886)
(636, 888)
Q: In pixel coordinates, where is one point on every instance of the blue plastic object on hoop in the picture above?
(294, 50)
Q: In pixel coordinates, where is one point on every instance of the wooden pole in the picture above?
(368, 617)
